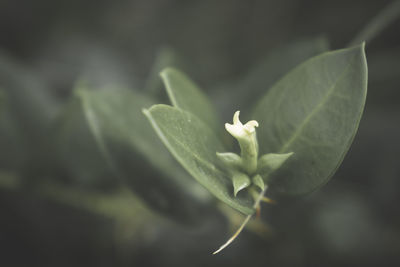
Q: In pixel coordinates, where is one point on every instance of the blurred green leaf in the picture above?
(389, 14)
(194, 145)
(77, 151)
(134, 152)
(313, 111)
(29, 99)
(27, 117)
(186, 95)
(166, 57)
(274, 66)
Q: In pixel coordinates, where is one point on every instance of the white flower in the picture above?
(240, 131)
(246, 136)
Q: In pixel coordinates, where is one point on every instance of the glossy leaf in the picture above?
(314, 111)
(194, 144)
(135, 154)
(186, 95)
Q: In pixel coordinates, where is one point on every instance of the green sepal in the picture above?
(240, 182)
(259, 182)
(270, 162)
(230, 160)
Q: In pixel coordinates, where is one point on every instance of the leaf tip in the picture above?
(145, 111)
(362, 45)
(167, 71)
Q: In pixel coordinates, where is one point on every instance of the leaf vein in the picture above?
(329, 93)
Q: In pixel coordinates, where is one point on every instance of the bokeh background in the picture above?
(353, 221)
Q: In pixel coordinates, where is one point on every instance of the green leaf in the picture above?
(194, 145)
(270, 162)
(240, 181)
(313, 111)
(76, 149)
(27, 117)
(258, 181)
(186, 95)
(135, 153)
(28, 98)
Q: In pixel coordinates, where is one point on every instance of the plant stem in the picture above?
(383, 19)
(245, 222)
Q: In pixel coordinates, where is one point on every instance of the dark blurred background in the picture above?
(353, 221)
